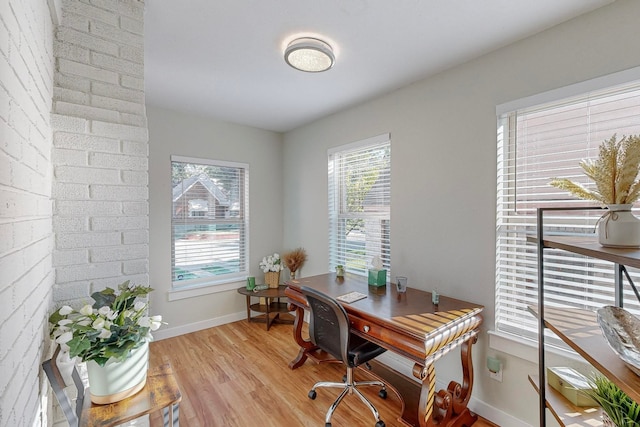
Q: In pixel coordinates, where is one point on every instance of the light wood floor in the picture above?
(236, 375)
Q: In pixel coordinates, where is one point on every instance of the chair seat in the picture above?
(362, 351)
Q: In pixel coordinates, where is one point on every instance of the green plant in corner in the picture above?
(623, 411)
(111, 327)
(614, 172)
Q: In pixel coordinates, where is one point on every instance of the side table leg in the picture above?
(267, 301)
(248, 308)
(171, 416)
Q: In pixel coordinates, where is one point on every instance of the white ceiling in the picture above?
(223, 58)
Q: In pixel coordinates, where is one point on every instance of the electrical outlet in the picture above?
(496, 375)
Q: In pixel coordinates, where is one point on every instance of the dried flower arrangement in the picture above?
(294, 260)
(614, 172)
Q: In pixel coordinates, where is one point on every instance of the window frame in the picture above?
(216, 283)
(506, 113)
(337, 213)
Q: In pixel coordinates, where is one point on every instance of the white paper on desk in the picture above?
(351, 297)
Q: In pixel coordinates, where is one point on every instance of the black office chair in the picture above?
(330, 331)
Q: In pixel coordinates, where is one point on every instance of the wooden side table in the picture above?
(274, 310)
(160, 392)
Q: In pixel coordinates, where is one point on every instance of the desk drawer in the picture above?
(389, 339)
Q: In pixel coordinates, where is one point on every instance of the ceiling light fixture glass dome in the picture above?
(309, 54)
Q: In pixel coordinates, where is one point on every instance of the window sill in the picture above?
(514, 346)
(523, 348)
(203, 289)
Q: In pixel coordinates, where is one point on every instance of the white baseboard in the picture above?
(198, 326)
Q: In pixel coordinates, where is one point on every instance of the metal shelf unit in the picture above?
(586, 338)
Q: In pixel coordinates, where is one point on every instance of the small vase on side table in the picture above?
(272, 278)
(619, 228)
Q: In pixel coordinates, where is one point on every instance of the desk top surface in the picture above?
(410, 312)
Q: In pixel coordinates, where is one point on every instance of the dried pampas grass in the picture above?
(615, 173)
(293, 260)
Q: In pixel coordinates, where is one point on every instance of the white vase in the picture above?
(619, 228)
(118, 380)
(606, 420)
(272, 278)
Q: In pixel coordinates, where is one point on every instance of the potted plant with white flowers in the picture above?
(271, 266)
(112, 336)
(617, 185)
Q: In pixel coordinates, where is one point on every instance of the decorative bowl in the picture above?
(622, 331)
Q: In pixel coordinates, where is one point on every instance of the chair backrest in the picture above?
(58, 385)
(329, 324)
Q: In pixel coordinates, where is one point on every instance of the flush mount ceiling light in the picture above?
(309, 54)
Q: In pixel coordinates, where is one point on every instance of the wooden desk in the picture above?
(410, 325)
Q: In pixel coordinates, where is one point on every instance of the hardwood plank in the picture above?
(236, 375)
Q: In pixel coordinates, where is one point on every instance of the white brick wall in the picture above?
(72, 130)
(26, 240)
(100, 149)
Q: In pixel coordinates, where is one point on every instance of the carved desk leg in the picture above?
(305, 345)
(447, 408)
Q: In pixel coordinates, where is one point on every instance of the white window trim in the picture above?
(205, 289)
(512, 344)
(378, 139)
(354, 146)
(222, 283)
(575, 89)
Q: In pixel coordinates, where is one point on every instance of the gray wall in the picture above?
(173, 133)
(443, 132)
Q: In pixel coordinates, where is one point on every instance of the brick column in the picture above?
(100, 148)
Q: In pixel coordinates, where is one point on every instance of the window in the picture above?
(536, 143)
(209, 221)
(359, 204)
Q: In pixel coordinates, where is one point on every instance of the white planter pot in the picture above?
(619, 228)
(606, 421)
(118, 380)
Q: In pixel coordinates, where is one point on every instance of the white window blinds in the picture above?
(536, 144)
(209, 221)
(360, 204)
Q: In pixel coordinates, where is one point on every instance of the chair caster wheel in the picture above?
(344, 378)
(380, 424)
(327, 424)
(312, 394)
(383, 394)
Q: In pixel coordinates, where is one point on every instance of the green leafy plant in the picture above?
(111, 327)
(614, 172)
(623, 411)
